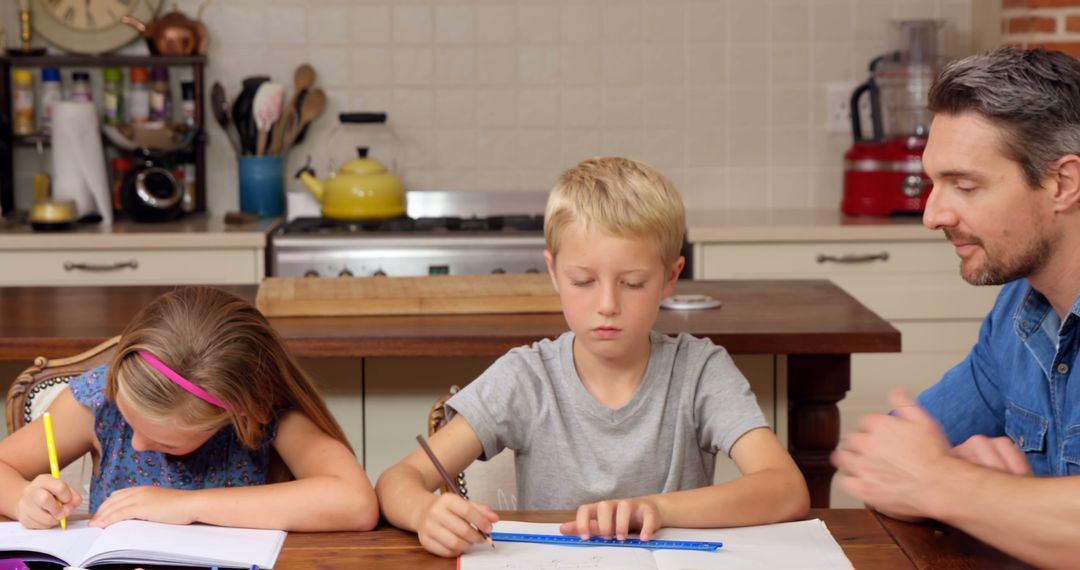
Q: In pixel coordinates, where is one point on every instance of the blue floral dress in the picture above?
(221, 462)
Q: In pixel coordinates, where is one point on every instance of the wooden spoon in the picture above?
(303, 79)
(313, 106)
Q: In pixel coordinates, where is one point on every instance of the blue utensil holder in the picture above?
(262, 189)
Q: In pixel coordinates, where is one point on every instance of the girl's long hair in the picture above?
(224, 345)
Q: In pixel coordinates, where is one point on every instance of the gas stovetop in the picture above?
(424, 225)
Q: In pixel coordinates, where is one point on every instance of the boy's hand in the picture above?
(45, 501)
(145, 503)
(615, 519)
(446, 528)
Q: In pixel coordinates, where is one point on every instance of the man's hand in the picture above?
(994, 452)
(892, 460)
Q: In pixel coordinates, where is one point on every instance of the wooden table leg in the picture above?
(816, 382)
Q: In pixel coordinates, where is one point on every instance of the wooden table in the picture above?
(815, 323)
(867, 541)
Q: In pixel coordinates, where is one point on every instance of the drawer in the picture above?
(225, 266)
(897, 280)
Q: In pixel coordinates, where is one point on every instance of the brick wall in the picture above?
(1050, 24)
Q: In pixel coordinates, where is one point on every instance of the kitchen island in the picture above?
(815, 325)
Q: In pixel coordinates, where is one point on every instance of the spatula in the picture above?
(266, 109)
(219, 103)
(310, 109)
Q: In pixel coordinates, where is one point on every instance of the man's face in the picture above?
(999, 226)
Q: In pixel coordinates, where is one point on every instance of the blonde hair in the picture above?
(621, 197)
(224, 345)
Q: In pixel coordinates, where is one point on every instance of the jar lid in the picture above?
(112, 75)
(187, 89)
(159, 74)
(23, 76)
(80, 76)
(138, 74)
(50, 74)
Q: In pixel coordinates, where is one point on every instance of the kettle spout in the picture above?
(313, 185)
(134, 23)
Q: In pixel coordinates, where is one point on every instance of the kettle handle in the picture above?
(875, 113)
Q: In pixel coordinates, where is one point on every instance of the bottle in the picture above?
(138, 107)
(80, 86)
(23, 102)
(121, 165)
(51, 93)
(113, 95)
(187, 102)
(160, 108)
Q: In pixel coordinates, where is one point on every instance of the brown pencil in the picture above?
(449, 482)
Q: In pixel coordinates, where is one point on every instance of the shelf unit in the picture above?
(9, 141)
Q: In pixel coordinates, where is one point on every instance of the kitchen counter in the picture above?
(744, 226)
(187, 232)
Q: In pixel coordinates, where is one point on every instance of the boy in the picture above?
(613, 419)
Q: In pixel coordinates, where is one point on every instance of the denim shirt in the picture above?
(1015, 382)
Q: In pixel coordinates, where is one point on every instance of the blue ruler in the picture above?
(560, 540)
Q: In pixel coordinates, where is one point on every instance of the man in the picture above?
(1004, 156)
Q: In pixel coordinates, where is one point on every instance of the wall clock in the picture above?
(90, 26)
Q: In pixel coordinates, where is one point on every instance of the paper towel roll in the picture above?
(78, 160)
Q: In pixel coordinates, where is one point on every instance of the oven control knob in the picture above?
(311, 273)
(344, 273)
(379, 273)
(532, 270)
(498, 271)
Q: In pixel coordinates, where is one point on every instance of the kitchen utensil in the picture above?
(361, 189)
(266, 109)
(219, 103)
(241, 113)
(313, 106)
(174, 33)
(437, 294)
(883, 168)
(262, 188)
(303, 79)
(689, 302)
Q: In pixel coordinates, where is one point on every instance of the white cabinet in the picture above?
(905, 273)
(193, 251)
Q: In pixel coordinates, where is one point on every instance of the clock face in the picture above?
(90, 26)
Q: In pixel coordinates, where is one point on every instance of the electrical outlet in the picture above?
(838, 106)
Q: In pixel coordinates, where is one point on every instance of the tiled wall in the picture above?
(725, 96)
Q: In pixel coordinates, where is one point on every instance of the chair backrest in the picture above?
(494, 482)
(35, 389)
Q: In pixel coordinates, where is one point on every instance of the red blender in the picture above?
(883, 173)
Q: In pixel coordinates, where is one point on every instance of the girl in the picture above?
(201, 416)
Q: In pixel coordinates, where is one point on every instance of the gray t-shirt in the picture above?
(571, 450)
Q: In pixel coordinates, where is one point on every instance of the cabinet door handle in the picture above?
(850, 258)
(81, 266)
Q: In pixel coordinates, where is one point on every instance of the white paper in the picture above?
(142, 542)
(802, 545)
(78, 159)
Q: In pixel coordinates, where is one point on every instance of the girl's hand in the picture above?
(45, 501)
(155, 504)
(615, 519)
(446, 528)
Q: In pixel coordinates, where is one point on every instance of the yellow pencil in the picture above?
(54, 465)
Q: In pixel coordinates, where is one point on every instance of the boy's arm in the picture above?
(330, 492)
(405, 492)
(24, 456)
(771, 489)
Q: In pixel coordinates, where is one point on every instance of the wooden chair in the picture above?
(35, 389)
(495, 482)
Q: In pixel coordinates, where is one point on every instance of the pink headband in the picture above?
(183, 382)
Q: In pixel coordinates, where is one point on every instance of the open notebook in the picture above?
(803, 545)
(141, 542)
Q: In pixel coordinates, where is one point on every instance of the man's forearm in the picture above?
(1034, 519)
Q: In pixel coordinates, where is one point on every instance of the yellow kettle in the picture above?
(362, 189)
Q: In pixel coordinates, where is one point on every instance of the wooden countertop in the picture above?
(196, 231)
(757, 317)
(739, 226)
